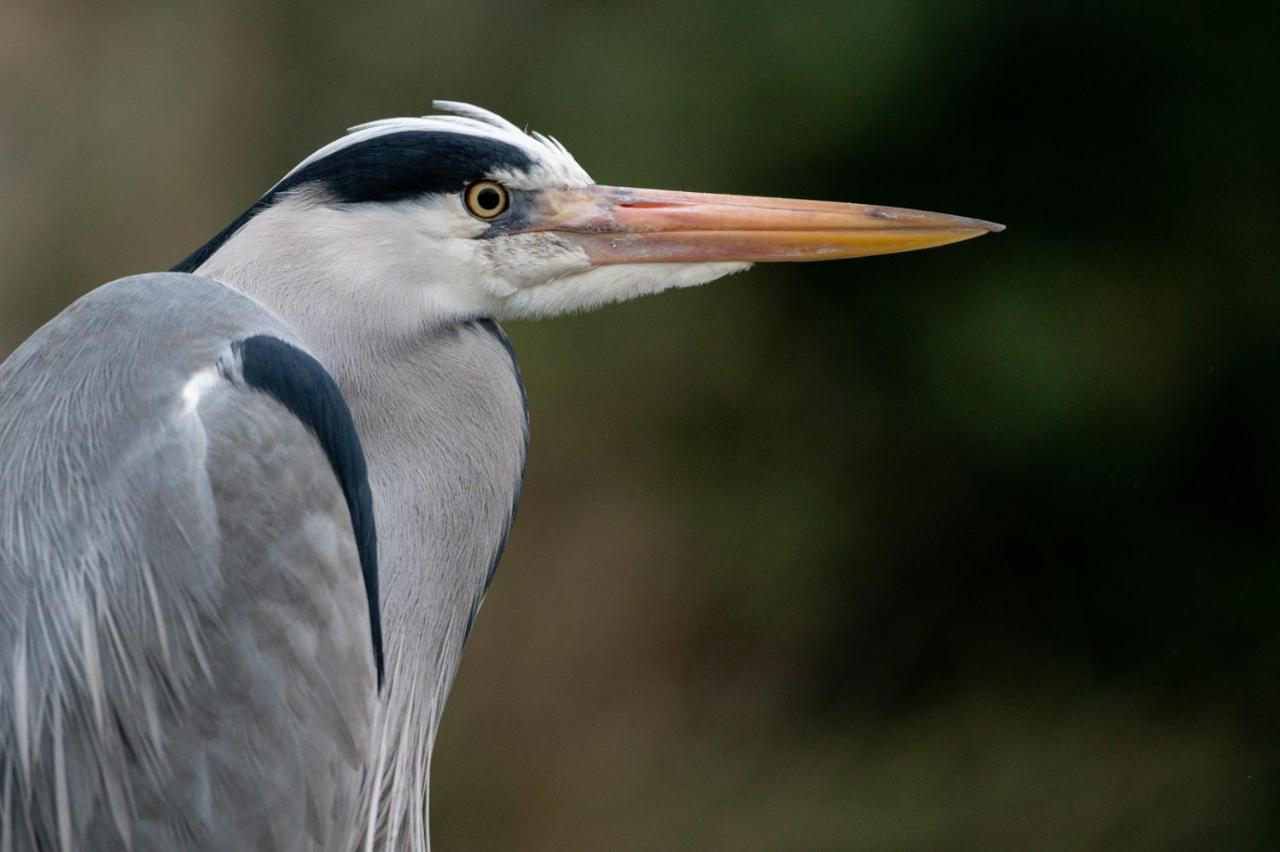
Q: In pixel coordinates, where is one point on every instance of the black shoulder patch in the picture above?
(391, 167)
(302, 385)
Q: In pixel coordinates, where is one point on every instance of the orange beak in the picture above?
(624, 225)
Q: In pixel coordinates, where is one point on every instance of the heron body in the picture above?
(151, 640)
(249, 508)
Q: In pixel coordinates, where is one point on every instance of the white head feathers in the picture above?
(554, 165)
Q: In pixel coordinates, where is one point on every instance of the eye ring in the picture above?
(486, 199)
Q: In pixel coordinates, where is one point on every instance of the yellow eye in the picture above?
(486, 199)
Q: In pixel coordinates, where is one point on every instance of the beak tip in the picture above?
(982, 226)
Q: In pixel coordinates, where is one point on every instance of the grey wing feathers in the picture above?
(184, 636)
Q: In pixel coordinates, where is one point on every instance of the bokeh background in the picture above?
(972, 548)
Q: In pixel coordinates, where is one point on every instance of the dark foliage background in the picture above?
(971, 548)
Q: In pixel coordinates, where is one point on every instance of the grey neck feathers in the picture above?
(443, 422)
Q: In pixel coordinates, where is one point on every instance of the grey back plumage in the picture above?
(176, 672)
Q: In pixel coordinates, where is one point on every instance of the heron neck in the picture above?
(445, 433)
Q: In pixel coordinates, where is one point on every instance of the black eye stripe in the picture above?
(393, 167)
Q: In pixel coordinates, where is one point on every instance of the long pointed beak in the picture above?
(624, 225)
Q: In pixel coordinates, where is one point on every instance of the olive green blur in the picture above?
(972, 548)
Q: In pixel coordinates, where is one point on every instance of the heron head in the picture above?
(420, 222)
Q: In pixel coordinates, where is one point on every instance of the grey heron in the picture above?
(249, 507)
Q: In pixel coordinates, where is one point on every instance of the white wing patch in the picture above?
(200, 383)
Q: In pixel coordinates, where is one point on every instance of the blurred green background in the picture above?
(972, 548)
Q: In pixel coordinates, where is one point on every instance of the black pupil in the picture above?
(489, 198)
